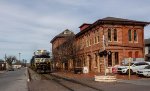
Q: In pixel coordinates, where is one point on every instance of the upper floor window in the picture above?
(135, 35)
(115, 35)
(109, 35)
(130, 35)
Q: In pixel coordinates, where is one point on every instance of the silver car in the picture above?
(144, 72)
(134, 67)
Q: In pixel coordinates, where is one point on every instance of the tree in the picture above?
(10, 59)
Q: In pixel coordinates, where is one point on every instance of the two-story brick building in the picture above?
(59, 49)
(122, 37)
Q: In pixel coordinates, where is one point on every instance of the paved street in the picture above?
(14, 80)
(142, 81)
(17, 81)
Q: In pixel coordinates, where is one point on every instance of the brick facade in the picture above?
(122, 38)
(60, 50)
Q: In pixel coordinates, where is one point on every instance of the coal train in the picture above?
(41, 62)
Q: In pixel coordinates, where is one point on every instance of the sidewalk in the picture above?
(91, 75)
(122, 83)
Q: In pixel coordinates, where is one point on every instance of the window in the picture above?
(98, 39)
(96, 64)
(130, 35)
(115, 35)
(109, 35)
(135, 35)
(95, 40)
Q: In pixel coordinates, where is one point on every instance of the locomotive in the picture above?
(41, 62)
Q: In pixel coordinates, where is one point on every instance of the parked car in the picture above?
(133, 67)
(144, 72)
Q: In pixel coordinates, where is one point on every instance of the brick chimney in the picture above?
(84, 26)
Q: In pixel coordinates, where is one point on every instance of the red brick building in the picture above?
(122, 37)
(59, 49)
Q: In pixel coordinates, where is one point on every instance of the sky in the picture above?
(29, 25)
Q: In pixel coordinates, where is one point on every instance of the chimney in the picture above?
(84, 26)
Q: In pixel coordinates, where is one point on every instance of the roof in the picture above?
(113, 20)
(65, 33)
(119, 19)
(147, 42)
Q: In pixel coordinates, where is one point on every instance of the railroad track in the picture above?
(69, 84)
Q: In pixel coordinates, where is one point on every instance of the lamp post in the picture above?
(19, 56)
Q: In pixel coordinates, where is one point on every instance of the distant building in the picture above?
(2, 65)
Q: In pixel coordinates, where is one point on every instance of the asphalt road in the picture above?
(14, 80)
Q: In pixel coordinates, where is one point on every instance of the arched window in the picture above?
(115, 35)
(109, 35)
(130, 35)
(135, 35)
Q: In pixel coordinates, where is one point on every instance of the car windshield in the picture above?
(128, 64)
(147, 67)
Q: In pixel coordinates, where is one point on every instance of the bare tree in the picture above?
(10, 59)
(68, 51)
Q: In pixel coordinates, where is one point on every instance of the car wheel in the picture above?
(131, 72)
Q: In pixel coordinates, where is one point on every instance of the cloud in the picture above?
(28, 25)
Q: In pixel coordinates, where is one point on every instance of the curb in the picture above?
(28, 75)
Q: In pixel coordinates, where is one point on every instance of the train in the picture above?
(41, 62)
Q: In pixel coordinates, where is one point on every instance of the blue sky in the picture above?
(29, 25)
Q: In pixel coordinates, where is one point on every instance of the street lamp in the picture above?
(19, 56)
